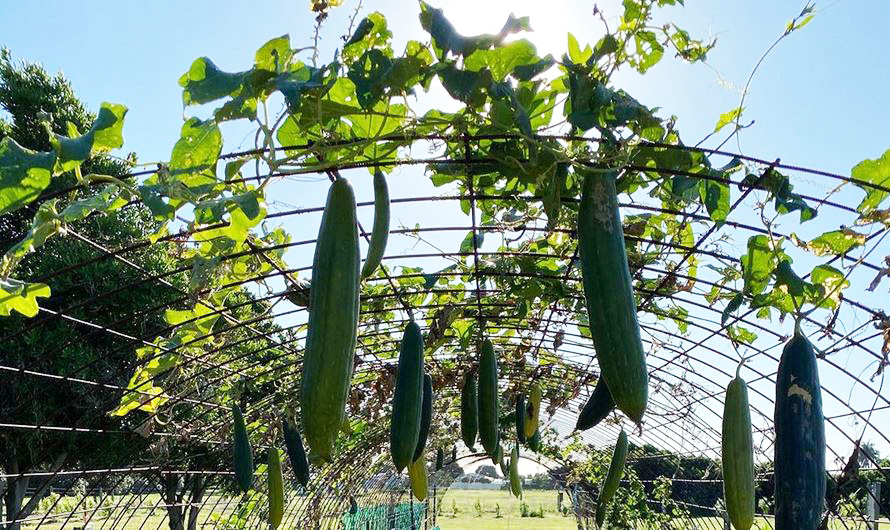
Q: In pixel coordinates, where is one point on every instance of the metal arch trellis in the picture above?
(493, 321)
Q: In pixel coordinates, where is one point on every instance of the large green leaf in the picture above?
(371, 32)
(111, 198)
(204, 82)
(195, 154)
(193, 323)
(46, 224)
(275, 55)
(371, 76)
(791, 293)
(106, 133)
(786, 201)
(24, 174)
(757, 264)
(21, 296)
(715, 196)
(463, 85)
(447, 40)
(528, 71)
(649, 51)
(876, 172)
(302, 82)
(830, 282)
(575, 53)
(503, 60)
(244, 211)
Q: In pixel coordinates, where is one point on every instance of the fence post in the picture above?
(873, 504)
(435, 506)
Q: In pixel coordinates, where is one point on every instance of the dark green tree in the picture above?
(50, 344)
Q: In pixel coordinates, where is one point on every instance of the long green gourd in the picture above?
(488, 398)
(515, 481)
(800, 438)
(738, 456)
(407, 401)
(243, 454)
(613, 478)
(469, 412)
(333, 321)
(534, 443)
(532, 409)
(608, 289)
(296, 453)
(426, 416)
(520, 418)
(380, 230)
(598, 406)
(276, 488)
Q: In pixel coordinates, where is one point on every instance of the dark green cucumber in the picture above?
(498, 456)
(520, 418)
(738, 456)
(515, 481)
(295, 452)
(534, 443)
(532, 409)
(598, 406)
(488, 398)
(440, 459)
(243, 454)
(469, 412)
(333, 321)
(380, 231)
(426, 416)
(613, 478)
(276, 488)
(407, 402)
(800, 438)
(608, 289)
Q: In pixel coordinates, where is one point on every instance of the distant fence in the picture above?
(403, 516)
(476, 486)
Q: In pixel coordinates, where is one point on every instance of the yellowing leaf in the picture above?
(728, 117)
(21, 296)
(874, 177)
(836, 242)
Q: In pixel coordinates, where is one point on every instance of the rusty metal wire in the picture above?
(688, 368)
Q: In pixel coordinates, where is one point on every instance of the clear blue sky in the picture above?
(819, 100)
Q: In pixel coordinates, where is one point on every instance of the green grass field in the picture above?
(497, 509)
(478, 509)
(456, 510)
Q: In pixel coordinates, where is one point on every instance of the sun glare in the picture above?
(549, 20)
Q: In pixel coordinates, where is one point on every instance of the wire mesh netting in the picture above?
(675, 458)
(140, 310)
